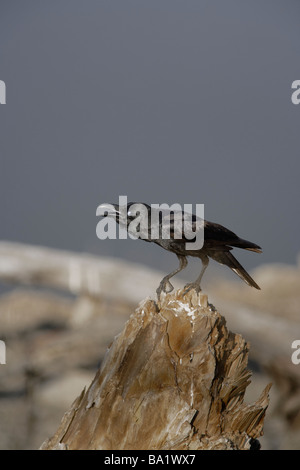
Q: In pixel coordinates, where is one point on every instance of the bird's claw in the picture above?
(192, 285)
(164, 286)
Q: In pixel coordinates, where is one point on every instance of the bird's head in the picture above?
(123, 214)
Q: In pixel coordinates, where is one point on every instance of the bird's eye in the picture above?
(131, 215)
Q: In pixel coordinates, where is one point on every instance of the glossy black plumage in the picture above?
(218, 244)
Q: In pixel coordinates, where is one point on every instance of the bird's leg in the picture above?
(165, 285)
(196, 284)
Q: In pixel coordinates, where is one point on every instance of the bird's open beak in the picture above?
(110, 210)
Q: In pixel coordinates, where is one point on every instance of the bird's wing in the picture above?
(182, 229)
(216, 236)
(219, 237)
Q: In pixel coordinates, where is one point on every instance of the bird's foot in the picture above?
(192, 285)
(164, 286)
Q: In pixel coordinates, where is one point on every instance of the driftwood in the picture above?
(175, 378)
(80, 274)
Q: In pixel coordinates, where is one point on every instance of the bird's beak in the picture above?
(110, 210)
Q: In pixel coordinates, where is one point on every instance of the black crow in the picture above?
(218, 240)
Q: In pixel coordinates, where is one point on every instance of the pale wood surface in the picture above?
(175, 378)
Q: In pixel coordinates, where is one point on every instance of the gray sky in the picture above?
(162, 101)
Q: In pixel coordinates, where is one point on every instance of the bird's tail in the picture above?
(225, 257)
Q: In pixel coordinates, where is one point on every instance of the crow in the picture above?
(218, 242)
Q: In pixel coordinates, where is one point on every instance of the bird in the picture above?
(217, 245)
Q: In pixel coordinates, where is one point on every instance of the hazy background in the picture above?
(160, 100)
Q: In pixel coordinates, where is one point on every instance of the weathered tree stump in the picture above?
(175, 378)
